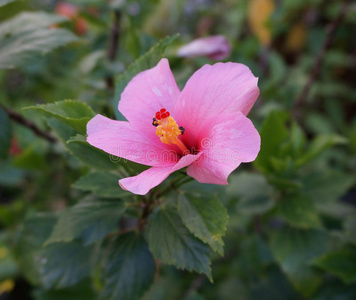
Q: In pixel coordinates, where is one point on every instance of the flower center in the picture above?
(168, 130)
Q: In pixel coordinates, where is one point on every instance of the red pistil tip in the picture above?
(162, 114)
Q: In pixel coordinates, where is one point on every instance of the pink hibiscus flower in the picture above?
(203, 128)
(215, 47)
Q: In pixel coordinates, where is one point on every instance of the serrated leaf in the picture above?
(253, 192)
(86, 153)
(5, 134)
(64, 264)
(205, 217)
(89, 220)
(294, 249)
(172, 243)
(27, 34)
(299, 211)
(341, 263)
(72, 113)
(146, 61)
(129, 269)
(102, 184)
(36, 230)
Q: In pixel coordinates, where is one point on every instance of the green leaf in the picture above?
(252, 191)
(273, 133)
(72, 113)
(129, 268)
(102, 184)
(341, 263)
(5, 134)
(327, 186)
(64, 264)
(4, 2)
(299, 211)
(36, 230)
(88, 154)
(89, 220)
(81, 291)
(318, 145)
(27, 34)
(172, 243)
(294, 249)
(146, 61)
(206, 217)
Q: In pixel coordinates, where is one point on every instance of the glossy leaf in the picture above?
(206, 217)
(129, 269)
(89, 220)
(172, 243)
(294, 249)
(64, 264)
(72, 113)
(146, 61)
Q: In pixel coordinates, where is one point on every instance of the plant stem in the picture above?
(18, 118)
(114, 44)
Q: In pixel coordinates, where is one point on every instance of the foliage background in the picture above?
(291, 227)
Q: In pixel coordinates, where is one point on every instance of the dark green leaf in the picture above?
(294, 249)
(5, 134)
(146, 61)
(327, 186)
(81, 291)
(252, 191)
(299, 210)
(172, 243)
(88, 154)
(72, 113)
(205, 217)
(36, 230)
(129, 269)
(64, 264)
(273, 133)
(102, 184)
(89, 220)
(341, 263)
(319, 144)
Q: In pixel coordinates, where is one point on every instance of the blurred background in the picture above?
(305, 176)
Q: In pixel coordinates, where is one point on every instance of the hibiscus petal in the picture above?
(142, 183)
(226, 141)
(214, 90)
(120, 139)
(147, 93)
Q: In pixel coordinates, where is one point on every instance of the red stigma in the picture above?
(162, 114)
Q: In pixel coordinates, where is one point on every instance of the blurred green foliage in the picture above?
(285, 224)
